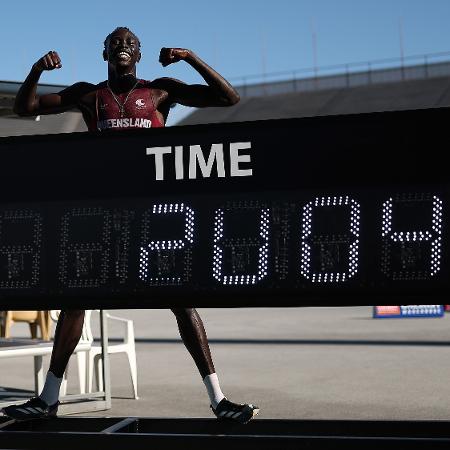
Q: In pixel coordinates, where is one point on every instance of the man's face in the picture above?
(122, 49)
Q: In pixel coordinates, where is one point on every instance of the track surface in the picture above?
(300, 363)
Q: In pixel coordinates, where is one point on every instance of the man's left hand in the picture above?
(172, 55)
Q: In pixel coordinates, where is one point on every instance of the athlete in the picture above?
(123, 102)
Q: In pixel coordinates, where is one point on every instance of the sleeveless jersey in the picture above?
(139, 110)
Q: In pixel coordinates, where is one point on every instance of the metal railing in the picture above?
(345, 75)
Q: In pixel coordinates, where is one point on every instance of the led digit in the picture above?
(166, 261)
(20, 248)
(120, 236)
(243, 253)
(409, 254)
(85, 247)
(330, 256)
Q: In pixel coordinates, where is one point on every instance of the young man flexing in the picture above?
(139, 104)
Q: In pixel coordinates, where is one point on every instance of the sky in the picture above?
(236, 37)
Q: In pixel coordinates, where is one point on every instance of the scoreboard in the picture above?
(341, 210)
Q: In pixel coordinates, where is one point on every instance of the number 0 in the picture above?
(326, 241)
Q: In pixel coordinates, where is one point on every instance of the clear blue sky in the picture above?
(231, 35)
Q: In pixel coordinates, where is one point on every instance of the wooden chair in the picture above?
(35, 319)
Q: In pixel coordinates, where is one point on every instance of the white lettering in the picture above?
(215, 155)
(159, 163)
(236, 159)
(179, 166)
(126, 122)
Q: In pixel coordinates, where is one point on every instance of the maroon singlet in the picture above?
(139, 110)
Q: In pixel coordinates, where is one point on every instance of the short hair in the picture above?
(119, 29)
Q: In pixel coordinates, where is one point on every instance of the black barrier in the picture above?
(347, 210)
(198, 434)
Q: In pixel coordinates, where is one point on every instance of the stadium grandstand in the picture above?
(414, 83)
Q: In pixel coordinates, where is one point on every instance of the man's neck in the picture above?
(121, 82)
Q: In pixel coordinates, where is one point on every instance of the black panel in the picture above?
(337, 210)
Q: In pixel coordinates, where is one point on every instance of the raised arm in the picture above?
(218, 91)
(28, 103)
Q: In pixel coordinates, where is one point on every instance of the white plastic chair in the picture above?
(127, 346)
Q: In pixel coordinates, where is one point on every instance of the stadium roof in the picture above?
(414, 87)
(415, 94)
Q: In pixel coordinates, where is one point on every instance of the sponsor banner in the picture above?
(407, 311)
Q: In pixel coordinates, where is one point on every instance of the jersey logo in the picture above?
(140, 103)
(103, 105)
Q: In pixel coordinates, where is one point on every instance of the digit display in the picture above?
(325, 211)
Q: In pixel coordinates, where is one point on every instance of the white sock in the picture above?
(213, 388)
(50, 392)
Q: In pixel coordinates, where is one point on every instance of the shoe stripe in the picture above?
(23, 411)
(33, 410)
(239, 412)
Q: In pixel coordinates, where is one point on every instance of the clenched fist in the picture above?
(172, 55)
(50, 61)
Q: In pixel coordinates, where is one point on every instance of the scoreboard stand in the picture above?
(116, 433)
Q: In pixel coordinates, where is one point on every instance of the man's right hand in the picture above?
(50, 61)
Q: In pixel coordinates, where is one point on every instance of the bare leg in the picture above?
(67, 334)
(194, 338)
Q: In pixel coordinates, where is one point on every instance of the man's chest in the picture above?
(140, 100)
(138, 108)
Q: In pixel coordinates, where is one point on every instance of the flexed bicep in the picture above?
(29, 102)
(218, 91)
(54, 103)
(195, 95)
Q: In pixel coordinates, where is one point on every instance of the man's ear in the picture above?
(105, 55)
(139, 56)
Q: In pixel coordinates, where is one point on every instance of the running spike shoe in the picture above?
(35, 408)
(227, 410)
